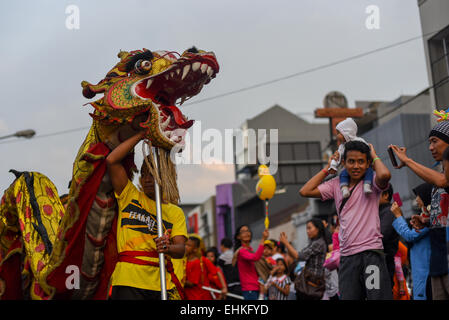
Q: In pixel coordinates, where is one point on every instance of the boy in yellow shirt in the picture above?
(136, 275)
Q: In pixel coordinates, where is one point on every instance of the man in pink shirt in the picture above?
(362, 273)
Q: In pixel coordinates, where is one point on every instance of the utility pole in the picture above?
(336, 109)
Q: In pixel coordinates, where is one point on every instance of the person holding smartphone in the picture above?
(439, 207)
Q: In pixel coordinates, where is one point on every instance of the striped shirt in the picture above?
(273, 292)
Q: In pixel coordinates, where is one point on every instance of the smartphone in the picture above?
(394, 162)
(397, 198)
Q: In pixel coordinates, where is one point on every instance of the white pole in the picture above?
(159, 228)
(218, 291)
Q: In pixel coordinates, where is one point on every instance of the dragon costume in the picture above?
(41, 237)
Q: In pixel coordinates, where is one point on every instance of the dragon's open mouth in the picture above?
(182, 80)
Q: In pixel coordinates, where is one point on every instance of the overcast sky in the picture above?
(43, 64)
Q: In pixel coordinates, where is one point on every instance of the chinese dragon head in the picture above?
(146, 85)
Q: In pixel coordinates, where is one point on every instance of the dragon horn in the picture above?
(123, 55)
(16, 173)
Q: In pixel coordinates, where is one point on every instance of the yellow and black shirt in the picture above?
(136, 229)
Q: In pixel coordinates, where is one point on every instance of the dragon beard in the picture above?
(164, 172)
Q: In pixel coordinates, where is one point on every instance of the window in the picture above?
(228, 224)
(205, 224)
(297, 162)
(290, 169)
(193, 223)
(302, 173)
(287, 174)
(314, 151)
(439, 63)
(300, 151)
(285, 151)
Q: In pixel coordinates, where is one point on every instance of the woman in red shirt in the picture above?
(245, 258)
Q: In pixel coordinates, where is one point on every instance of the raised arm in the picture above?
(247, 255)
(290, 250)
(116, 171)
(431, 176)
(401, 227)
(310, 189)
(383, 175)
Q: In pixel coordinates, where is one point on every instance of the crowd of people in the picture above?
(367, 250)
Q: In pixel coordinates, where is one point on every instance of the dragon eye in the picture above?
(143, 66)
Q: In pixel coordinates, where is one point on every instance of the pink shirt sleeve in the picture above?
(376, 187)
(246, 255)
(327, 189)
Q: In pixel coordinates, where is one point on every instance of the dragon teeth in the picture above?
(178, 71)
(203, 68)
(209, 71)
(185, 71)
(149, 82)
(196, 66)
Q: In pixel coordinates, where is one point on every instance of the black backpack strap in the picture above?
(346, 199)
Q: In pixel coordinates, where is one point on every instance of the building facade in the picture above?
(404, 130)
(299, 157)
(434, 16)
(201, 220)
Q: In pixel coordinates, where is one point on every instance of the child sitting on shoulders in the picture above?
(347, 131)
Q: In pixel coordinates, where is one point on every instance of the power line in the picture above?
(265, 83)
(411, 99)
(49, 134)
(300, 73)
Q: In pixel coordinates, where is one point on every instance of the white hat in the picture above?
(348, 128)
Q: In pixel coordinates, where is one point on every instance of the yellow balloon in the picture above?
(266, 187)
(263, 170)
